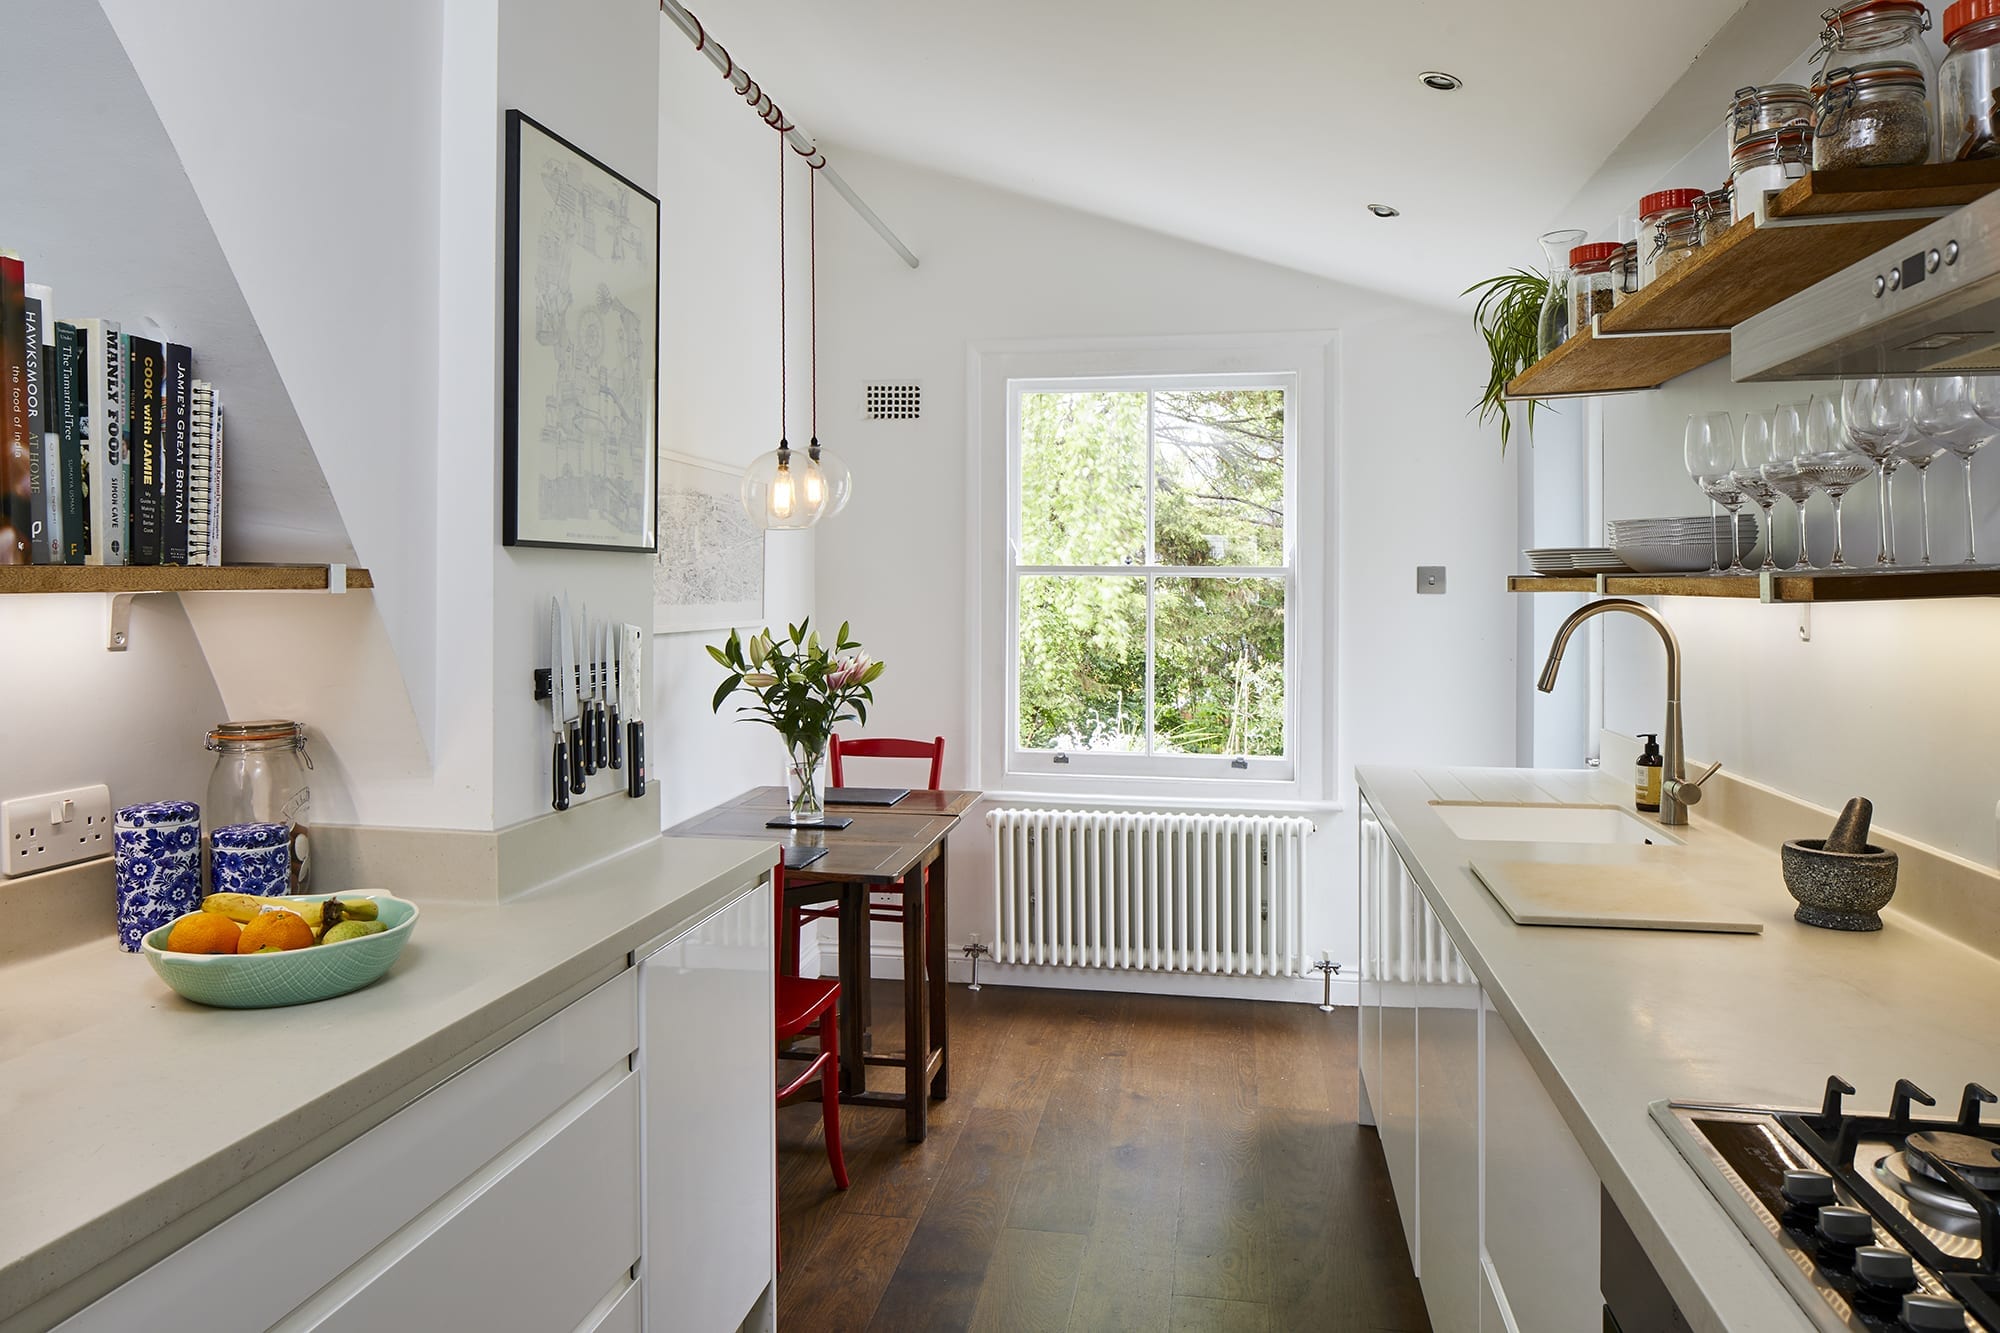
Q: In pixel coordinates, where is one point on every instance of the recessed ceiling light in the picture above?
(1384, 211)
(1439, 81)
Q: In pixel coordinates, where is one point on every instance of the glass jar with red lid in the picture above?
(1862, 32)
(1759, 110)
(1872, 115)
(1768, 162)
(1654, 209)
(1969, 82)
(1593, 282)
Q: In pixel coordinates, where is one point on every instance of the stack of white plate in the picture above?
(1677, 545)
(1574, 560)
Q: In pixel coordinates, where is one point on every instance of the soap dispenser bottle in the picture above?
(1646, 778)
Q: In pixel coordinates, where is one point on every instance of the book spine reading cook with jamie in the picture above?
(144, 440)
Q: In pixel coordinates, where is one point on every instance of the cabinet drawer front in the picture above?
(339, 1209)
(531, 1243)
(618, 1312)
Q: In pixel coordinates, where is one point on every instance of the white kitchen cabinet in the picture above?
(1541, 1199)
(1448, 1164)
(707, 1056)
(1391, 914)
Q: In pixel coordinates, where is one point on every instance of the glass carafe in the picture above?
(1553, 325)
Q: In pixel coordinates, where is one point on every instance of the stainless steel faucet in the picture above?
(1676, 792)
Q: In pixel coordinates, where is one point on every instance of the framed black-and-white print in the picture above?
(580, 398)
(709, 572)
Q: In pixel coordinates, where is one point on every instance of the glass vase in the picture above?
(805, 781)
(1552, 327)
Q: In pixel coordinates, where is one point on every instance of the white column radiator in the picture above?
(1402, 940)
(1165, 892)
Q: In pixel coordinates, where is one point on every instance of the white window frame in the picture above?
(1279, 768)
(1304, 365)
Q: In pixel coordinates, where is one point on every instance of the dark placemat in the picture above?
(865, 795)
(830, 822)
(798, 858)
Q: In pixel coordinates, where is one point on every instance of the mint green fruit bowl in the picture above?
(299, 976)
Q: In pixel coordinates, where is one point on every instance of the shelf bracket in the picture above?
(1763, 217)
(336, 580)
(118, 619)
(1597, 331)
(1591, 393)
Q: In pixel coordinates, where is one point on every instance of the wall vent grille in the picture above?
(892, 402)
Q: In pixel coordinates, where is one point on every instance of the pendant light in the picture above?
(775, 485)
(828, 483)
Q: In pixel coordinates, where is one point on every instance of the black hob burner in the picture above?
(1875, 1222)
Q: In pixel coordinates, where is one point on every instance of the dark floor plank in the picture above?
(937, 1283)
(1221, 1248)
(1030, 1284)
(1291, 1075)
(1058, 1187)
(860, 1254)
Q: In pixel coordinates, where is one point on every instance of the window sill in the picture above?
(1148, 801)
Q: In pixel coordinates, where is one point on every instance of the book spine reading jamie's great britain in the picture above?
(16, 431)
(144, 376)
(179, 394)
(36, 380)
(69, 476)
(105, 451)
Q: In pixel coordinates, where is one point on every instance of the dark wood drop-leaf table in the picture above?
(885, 849)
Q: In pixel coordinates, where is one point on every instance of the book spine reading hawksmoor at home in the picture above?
(178, 392)
(71, 480)
(104, 449)
(145, 373)
(16, 430)
(36, 380)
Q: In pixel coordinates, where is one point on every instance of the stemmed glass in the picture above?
(1938, 406)
(1709, 453)
(1830, 465)
(1782, 474)
(1984, 392)
(1878, 421)
(1749, 477)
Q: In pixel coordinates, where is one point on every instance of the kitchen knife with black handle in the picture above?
(600, 713)
(614, 690)
(587, 688)
(572, 673)
(557, 677)
(631, 688)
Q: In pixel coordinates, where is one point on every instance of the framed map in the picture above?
(581, 465)
(709, 572)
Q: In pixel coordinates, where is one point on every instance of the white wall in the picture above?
(1419, 679)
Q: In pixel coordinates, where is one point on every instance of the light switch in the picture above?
(1430, 579)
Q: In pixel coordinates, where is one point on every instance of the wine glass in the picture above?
(1938, 405)
(1749, 476)
(1709, 453)
(1878, 420)
(1782, 474)
(1829, 464)
(1983, 391)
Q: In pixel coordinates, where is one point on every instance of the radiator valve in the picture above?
(975, 951)
(1326, 967)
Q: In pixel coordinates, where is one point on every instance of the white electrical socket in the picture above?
(42, 832)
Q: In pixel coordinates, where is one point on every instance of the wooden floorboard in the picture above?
(1105, 1162)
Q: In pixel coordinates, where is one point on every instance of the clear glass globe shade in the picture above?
(774, 491)
(831, 485)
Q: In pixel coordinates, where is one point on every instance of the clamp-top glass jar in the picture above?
(1861, 32)
(1655, 209)
(1768, 162)
(1874, 115)
(1716, 215)
(1678, 238)
(1593, 282)
(1969, 82)
(261, 777)
(1759, 110)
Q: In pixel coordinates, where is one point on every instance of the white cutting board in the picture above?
(1632, 896)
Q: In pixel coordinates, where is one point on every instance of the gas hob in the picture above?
(1876, 1223)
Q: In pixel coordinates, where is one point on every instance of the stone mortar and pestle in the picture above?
(1841, 881)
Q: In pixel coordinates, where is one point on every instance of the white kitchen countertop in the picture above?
(1614, 1020)
(132, 1120)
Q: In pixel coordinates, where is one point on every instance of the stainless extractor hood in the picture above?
(1929, 304)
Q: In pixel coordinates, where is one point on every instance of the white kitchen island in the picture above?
(554, 1112)
(1510, 1068)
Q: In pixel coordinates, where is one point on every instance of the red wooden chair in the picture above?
(810, 1007)
(879, 748)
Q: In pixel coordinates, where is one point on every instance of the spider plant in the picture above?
(1508, 310)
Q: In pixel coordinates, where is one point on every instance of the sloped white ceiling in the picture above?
(1263, 127)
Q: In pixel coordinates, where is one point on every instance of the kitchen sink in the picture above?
(1482, 822)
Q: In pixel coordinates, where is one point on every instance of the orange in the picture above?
(279, 930)
(204, 932)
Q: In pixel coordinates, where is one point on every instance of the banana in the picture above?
(240, 907)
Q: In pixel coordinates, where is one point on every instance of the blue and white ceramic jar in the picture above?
(156, 852)
(253, 858)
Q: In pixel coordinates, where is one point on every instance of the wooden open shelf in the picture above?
(173, 578)
(1747, 271)
(1820, 586)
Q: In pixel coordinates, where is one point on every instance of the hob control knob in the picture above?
(1889, 1269)
(1881, 284)
(1932, 1313)
(1846, 1226)
(1808, 1189)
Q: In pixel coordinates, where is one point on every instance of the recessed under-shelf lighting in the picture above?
(1439, 81)
(1384, 211)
